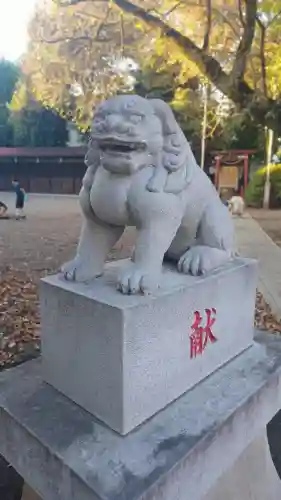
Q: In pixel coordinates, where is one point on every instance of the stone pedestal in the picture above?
(124, 358)
(210, 444)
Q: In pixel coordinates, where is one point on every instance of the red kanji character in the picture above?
(201, 335)
(210, 321)
(196, 337)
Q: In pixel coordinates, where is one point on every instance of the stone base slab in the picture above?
(124, 358)
(185, 451)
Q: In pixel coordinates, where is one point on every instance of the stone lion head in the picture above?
(131, 132)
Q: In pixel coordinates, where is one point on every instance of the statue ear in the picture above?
(166, 116)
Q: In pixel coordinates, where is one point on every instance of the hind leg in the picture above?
(214, 244)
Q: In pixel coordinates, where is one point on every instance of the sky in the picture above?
(14, 17)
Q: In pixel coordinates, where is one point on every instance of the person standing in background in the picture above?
(20, 197)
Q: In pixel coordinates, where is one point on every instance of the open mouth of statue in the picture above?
(112, 146)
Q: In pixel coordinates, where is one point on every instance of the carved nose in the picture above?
(115, 124)
(112, 121)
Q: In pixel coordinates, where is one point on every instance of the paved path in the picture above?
(29, 494)
(253, 242)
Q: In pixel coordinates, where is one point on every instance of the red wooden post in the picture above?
(245, 174)
(217, 172)
(246, 170)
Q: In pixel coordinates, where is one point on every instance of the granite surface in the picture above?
(72, 455)
(104, 288)
(124, 358)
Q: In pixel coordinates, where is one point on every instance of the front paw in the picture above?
(200, 260)
(79, 270)
(137, 279)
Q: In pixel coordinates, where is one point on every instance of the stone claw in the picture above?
(78, 271)
(137, 280)
(199, 260)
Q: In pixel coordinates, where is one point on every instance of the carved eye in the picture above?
(130, 104)
(135, 119)
(99, 116)
(98, 125)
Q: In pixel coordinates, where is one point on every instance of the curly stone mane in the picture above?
(176, 162)
(177, 157)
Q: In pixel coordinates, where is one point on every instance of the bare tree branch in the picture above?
(64, 38)
(69, 3)
(233, 87)
(263, 28)
(80, 13)
(241, 16)
(101, 24)
(209, 25)
(96, 37)
(227, 21)
(265, 110)
(236, 89)
(121, 34)
(206, 63)
(274, 19)
(262, 55)
(172, 9)
(246, 40)
(263, 62)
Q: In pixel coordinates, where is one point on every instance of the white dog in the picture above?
(236, 205)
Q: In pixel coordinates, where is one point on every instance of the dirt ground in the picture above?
(48, 236)
(270, 221)
(31, 248)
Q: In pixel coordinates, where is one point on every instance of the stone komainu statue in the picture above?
(141, 172)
